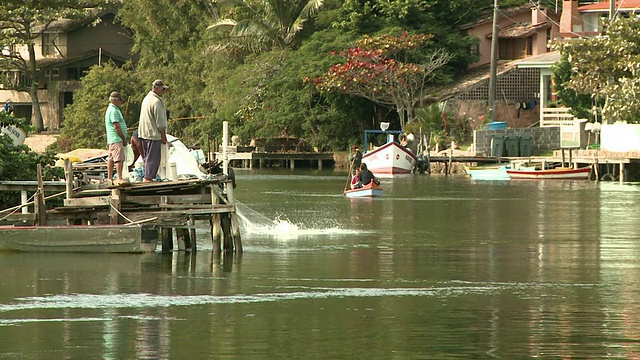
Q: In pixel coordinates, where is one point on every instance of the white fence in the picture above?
(556, 117)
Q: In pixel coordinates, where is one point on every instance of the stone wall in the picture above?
(542, 139)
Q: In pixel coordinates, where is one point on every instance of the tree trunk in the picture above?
(33, 90)
(35, 103)
(402, 115)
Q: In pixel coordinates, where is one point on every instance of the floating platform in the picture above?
(85, 238)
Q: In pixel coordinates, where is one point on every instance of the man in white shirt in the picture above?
(152, 129)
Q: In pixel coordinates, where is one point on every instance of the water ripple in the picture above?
(91, 301)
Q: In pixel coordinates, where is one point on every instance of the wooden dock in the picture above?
(607, 165)
(240, 157)
(171, 207)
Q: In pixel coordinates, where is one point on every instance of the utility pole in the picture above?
(494, 63)
(612, 10)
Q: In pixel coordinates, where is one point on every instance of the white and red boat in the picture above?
(391, 158)
(369, 190)
(556, 173)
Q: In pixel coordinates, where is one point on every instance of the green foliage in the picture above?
(441, 129)
(84, 119)
(266, 97)
(580, 104)
(257, 26)
(173, 45)
(609, 68)
(382, 69)
(20, 163)
(262, 94)
(22, 22)
(441, 18)
(20, 123)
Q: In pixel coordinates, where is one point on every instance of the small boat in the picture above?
(555, 173)
(369, 190)
(498, 172)
(80, 238)
(391, 158)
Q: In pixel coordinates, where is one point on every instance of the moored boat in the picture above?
(369, 190)
(498, 172)
(391, 158)
(555, 173)
(129, 238)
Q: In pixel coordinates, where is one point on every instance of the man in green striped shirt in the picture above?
(116, 137)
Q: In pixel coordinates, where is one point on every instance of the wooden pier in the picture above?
(607, 165)
(248, 157)
(169, 207)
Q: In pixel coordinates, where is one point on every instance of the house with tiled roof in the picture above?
(589, 19)
(523, 31)
(65, 50)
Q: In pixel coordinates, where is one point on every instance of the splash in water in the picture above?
(252, 222)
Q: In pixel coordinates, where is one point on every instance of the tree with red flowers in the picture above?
(379, 69)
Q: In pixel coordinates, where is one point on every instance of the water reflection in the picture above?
(437, 268)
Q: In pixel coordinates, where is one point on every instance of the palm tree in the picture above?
(258, 25)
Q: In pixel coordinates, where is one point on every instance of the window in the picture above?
(474, 49)
(50, 44)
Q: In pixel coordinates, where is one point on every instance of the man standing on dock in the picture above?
(116, 137)
(152, 129)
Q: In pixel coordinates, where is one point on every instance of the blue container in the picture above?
(497, 125)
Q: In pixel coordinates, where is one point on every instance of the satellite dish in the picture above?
(384, 126)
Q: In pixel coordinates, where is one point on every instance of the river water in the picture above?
(438, 268)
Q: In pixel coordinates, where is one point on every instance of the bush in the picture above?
(19, 163)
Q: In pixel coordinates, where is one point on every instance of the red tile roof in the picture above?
(627, 5)
(519, 30)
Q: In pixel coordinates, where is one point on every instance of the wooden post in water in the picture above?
(225, 223)
(216, 230)
(235, 224)
(192, 234)
(40, 206)
(166, 234)
(571, 164)
(114, 206)
(24, 198)
(450, 159)
(181, 238)
(68, 176)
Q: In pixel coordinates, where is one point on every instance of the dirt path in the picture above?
(39, 142)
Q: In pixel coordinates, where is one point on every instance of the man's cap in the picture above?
(159, 84)
(115, 95)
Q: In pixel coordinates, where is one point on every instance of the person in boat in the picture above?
(355, 159)
(116, 129)
(355, 182)
(366, 176)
